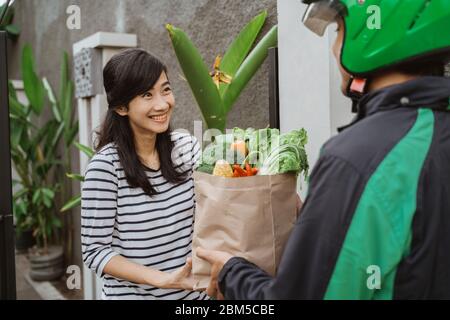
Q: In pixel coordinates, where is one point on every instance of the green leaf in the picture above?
(67, 104)
(25, 142)
(56, 138)
(249, 67)
(47, 202)
(47, 141)
(57, 222)
(12, 90)
(52, 99)
(41, 134)
(75, 176)
(70, 135)
(36, 196)
(72, 203)
(8, 16)
(16, 108)
(241, 46)
(34, 89)
(66, 91)
(49, 193)
(23, 121)
(2, 7)
(48, 230)
(20, 211)
(85, 149)
(19, 194)
(199, 79)
(16, 131)
(53, 162)
(13, 29)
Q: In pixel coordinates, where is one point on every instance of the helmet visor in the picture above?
(319, 15)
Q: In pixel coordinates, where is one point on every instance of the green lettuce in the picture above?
(288, 156)
(269, 151)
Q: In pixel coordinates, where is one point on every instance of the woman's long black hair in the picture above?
(128, 74)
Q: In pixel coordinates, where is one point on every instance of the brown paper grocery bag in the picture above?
(249, 217)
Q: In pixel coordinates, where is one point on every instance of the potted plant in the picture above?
(35, 151)
(217, 91)
(23, 223)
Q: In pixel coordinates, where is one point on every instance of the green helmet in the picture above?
(408, 30)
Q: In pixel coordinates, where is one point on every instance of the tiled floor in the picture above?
(24, 290)
(54, 290)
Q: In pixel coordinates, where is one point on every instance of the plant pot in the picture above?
(24, 240)
(47, 267)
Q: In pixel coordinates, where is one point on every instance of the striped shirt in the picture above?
(117, 219)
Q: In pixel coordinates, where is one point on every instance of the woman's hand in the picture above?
(217, 259)
(179, 279)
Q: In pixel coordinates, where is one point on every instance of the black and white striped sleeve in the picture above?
(186, 152)
(98, 212)
(195, 152)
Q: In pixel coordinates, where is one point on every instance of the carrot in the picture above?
(247, 172)
(241, 172)
(248, 169)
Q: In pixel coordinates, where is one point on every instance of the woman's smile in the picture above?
(162, 118)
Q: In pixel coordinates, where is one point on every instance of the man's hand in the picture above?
(217, 259)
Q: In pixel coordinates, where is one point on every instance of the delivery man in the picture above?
(376, 220)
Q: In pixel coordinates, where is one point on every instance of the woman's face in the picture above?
(151, 111)
(337, 46)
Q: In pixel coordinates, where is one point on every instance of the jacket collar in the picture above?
(423, 92)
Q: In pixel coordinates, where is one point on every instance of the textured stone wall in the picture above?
(211, 24)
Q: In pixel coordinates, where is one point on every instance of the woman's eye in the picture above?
(147, 95)
(167, 89)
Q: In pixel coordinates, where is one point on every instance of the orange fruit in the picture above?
(239, 146)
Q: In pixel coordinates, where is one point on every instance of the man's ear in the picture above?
(122, 111)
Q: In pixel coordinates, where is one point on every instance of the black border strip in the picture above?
(274, 94)
(7, 252)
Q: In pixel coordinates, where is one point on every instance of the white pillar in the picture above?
(91, 111)
(310, 94)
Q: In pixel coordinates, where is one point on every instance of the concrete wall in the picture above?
(211, 24)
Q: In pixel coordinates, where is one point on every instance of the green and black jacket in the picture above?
(378, 207)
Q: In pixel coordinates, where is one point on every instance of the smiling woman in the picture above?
(137, 198)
